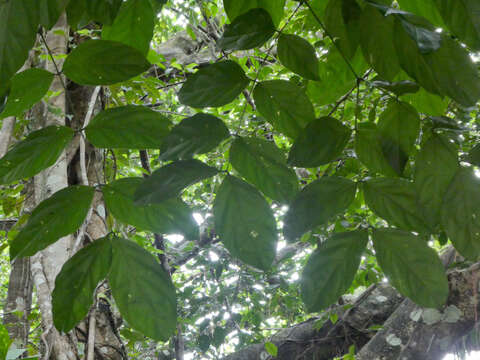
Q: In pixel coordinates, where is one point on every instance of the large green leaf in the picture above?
(263, 164)
(114, 62)
(435, 167)
(171, 216)
(103, 11)
(18, 31)
(460, 214)
(234, 8)
(298, 55)
(142, 290)
(214, 85)
(249, 30)
(425, 8)
(76, 283)
(50, 10)
(317, 203)
(58, 216)
(5, 342)
(133, 25)
(395, 200)
(284, 105)
(128, 127)
(197, 134)
(27, 88)
(427, 103)
(322, 141)
(330, 270)
(245, 224)
(170, 180)
(473, 156)
(77, 14)
(411, 266)
(39, 150)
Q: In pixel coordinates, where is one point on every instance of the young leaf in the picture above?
(395, 200)
(284, 105)
(271, 349)
(234, 8)
(171, 216)
(133, 25)
(142, 290)
(170, 180)
(114, 63)
(330, 270)
(322, 141)
(103, 11)
(460, 213)
(27, 88)
(197, 134)
(412, 267)
(58, 216)
(245, 224)
(76, 283)
(249, 30)
(263, 164)
(128, 127)
(317, 203)
(46, 144)
(214, 85)
(298, 55)
(435, 168)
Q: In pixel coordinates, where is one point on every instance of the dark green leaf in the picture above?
(103, 11)
(298, 55)
(4, 342)
(133, 25)
(263, 164)
(197, 134)
(234, 8)
(114, 63)
(422, 32)
(50, 10)
(214, 85)
(435, 167)
(398, 88)
(284, 105)
(171, 216)
(142, 290)
(38, 151)
(170, 180)
(460, 214)
(27, 88)
(245, 224)
(412, 267)
(76, 283)
(427, 103)
(58, 216)
(128, 127)
(322, 141)
(249, 30)
(395, 200)
(331, 268)
(77, 14)
(317, 203)
(425, 8)
(474, 155)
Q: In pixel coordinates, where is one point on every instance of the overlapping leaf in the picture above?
(234, 8)
(298, 55)
(103, 11)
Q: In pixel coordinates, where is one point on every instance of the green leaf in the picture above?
(473, 156)
(50, 10)
(133, 25)
(321, 142)
(170, 180)
(249, 30)
(4, 342)
(142, 290)
(214, 85)
(330, 270)
(77, 14)
(198, 134)
(56, 217)
(263, 164)
(47, 144)
(412, 267)
(103, 11)
(424, 8)
(317, 203)
(460, 213)
(271, 348)
(234, 8)
(76, 283)
(128, 127)
(171, 216)
(399, 88)
(395, 200)
(427, 103)
(435, 167)
(284, 105)
(245, 224)
(18, 31)
(27, 88)
(422, 32)
(298, 55)
(114, 63)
